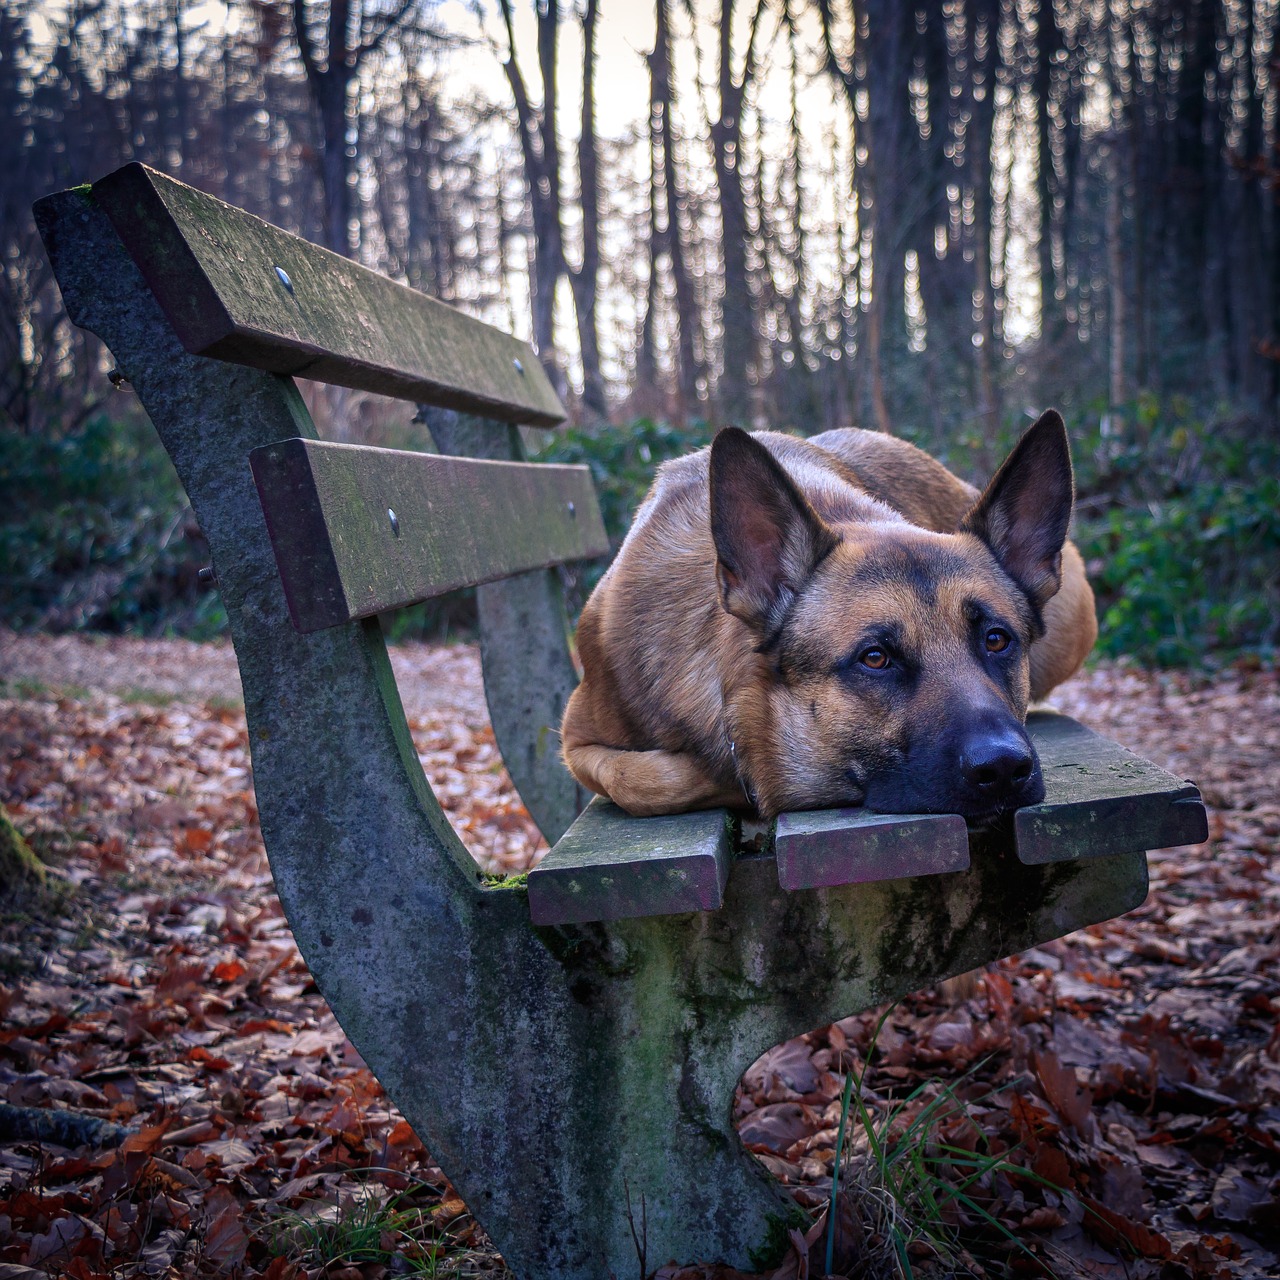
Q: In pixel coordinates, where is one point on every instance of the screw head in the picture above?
(283, 277)
(395, 522)
(573, 511)
(519, 367)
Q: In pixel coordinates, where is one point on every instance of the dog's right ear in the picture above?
(768, 538)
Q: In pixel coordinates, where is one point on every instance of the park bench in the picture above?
(567, 1049)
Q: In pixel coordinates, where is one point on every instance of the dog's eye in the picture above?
(998, 640)
(876, 659)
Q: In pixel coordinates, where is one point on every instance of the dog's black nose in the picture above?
(996, 765)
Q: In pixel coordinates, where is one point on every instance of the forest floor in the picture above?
(1132, 1070)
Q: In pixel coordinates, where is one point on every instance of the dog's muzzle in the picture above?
(986, 769)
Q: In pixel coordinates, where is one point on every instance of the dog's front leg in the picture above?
(645, 783)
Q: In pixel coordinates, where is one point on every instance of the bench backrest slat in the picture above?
(457, 522)
(237, 288)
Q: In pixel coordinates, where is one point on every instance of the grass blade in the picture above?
(835, 1170)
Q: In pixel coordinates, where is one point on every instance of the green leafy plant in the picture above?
(1179, 524)
(95, 532)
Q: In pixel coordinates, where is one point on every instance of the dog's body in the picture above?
(840, 620)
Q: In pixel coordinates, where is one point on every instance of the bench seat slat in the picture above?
(1101, 799)
(609, 866)
(215, 270)
(458, 522)
(821, 848)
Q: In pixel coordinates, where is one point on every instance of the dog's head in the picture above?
(892, 662)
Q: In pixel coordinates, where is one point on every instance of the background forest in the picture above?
(931, 218)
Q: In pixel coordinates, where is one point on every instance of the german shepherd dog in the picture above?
(799, 624)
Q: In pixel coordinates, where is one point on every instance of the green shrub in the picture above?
(622, 461)
(95, 532)
(1177, 517)
(1179, 524)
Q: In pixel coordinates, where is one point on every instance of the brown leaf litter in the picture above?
(1129, 1075)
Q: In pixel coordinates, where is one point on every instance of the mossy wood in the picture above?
(236, 288)
(609, 866)
(1101, 799)
(558, 1075)
(359, 531)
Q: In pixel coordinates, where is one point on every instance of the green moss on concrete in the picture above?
(777, 1238)
(19, 867)
(520, 881)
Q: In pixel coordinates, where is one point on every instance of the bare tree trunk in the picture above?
(944, 283)
(1118, 390)
(852, 76)
(1140, 254)
(540, 147)
(1248, 249)
(331, 72)
(646, 372)
(984, 21)
(586, 279)
(1050, 48)
(180, 87)
(733, 393)
(689, 372)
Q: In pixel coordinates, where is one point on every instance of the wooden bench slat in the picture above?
(458, 522)
(610, 866)
(823, 848)
(1101, 799)
(215, 270)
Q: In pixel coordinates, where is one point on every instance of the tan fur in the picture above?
(678, 707)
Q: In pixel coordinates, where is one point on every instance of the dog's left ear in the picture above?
(1024, 513)
(768, 538)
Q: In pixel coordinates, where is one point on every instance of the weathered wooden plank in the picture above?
(524, 651)
(1101, 799)
(821, 848)
(237, 288)
(358, 530)
(610, 866)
